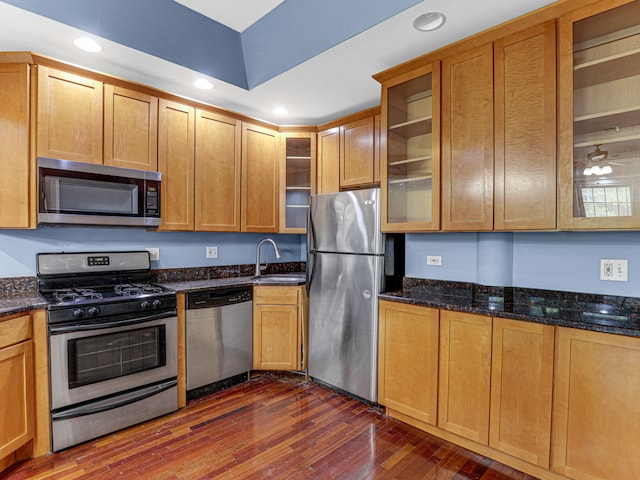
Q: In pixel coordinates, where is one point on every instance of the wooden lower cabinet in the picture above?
(408, 360)
(278, 328)
(596, 427)
(483, 383)
(465, 375)
(17, 425)
(521, 389)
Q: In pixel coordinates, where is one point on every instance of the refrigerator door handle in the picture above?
(311, 266)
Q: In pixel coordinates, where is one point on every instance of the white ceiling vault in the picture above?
(315, 88)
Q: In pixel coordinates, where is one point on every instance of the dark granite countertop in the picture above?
(19, 294)
(17, 304)
(602, 313)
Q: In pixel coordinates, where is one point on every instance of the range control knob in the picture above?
(156, 303)
(78, 313)
(144, 305)
(93, 311)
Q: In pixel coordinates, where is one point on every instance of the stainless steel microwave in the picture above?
(75, 193)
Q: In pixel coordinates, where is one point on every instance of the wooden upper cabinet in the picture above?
(596, 425)
(465, 375)
(260, 178)
(176, 157)
(599, 101)
(377, 125)
(69, 116)
(357, 153)
(17, 185)
(410, 156)
(131, 129)
(467, 140)
(217, 172)
(525, 130)
(329, 160)
(408, 360)
(521, 389)
(297, 180)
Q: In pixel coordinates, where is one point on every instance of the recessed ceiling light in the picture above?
(429, 21)
(87, 44)
(203, 84)
(280, 111)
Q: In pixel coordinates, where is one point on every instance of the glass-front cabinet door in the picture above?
(410, 146)
(600, 116)
(297, 180)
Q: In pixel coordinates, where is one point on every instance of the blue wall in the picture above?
(18, 248)
(568, 261)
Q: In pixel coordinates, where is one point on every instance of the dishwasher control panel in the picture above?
(218, 297)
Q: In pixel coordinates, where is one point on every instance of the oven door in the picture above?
(91, 362)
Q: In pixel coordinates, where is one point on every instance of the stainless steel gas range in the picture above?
(113, 356)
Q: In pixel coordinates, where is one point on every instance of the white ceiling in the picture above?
(330, 85)
(236, 14)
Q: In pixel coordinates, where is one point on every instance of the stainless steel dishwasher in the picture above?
(219, 339)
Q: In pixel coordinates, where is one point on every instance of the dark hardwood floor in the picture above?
(275, 426)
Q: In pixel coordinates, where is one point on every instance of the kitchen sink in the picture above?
(286, 278)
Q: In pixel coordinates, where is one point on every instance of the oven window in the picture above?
(103, 357)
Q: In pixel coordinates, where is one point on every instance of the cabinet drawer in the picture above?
(15, 330)
(275, 295)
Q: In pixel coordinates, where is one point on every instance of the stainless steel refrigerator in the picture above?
(345, 273)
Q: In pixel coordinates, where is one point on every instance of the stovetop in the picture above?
(97, 285)
(100, 294)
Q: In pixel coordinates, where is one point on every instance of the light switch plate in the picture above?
(614, 270)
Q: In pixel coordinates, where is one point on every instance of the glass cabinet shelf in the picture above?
(409, 163)
(298, 173)
(409, 180)
(412, 128)
(410, 160)
(606, 117)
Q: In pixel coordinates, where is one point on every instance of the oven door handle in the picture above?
(80, 327)
(116, 402)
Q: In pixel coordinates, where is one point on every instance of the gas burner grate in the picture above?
(135, 289)
(76, 295)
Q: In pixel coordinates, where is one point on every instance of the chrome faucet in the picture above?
(275, 247)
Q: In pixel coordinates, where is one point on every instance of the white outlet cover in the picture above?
(614, 270)
(212, 252)
(434, 260)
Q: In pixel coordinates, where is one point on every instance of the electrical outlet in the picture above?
(434, 260)
(212, 252)
(614, 270)
(154, 253)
